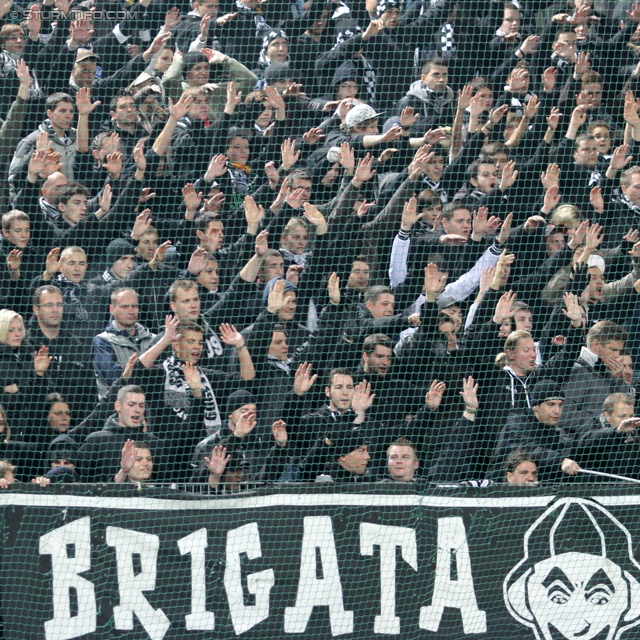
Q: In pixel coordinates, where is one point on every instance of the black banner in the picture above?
(354, 562)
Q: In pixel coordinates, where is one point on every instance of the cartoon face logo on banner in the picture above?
(578, 578)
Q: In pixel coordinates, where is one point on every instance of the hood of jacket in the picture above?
(424, 94)
(46, 127)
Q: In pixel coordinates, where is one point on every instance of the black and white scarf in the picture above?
(299, 259)
(283, 365)
(50, 212)
(635, 208)
(447, 41)
(177, 394)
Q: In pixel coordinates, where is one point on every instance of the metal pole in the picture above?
(608, 475)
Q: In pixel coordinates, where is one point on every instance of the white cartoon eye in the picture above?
(558, 596)
(598, 598)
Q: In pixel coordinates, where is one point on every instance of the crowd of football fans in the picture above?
(260, 241)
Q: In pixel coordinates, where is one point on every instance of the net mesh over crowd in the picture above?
(262, 244)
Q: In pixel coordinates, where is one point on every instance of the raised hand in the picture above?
(158, 256)
(363, 209)
(333, 287)
(214, 203)
(83, 102)
(217, 167)
(139, 157)
(130, 366)
(496, 114)
(504, 308)
(486, 279)
(198, 261)
(13, 261)
(231, 336)
(531, 107)
(505, 260)
(128, 457)
(554, 118)
(464, 97)
(41, 360)
(171, 324)
(596, 200)
(289, 154)
(372, 30)
(51, 163)
(632, 236)
(157, 44)
(530, 45)
(434, 281)
(393, 134)
(113, 164)
(629, 425)
(262, 244)
(572, 309)
(277, 299)
(533, 223)
(582, 64)
(272, 174)
(213, 57)
(483, 225)
(253, 215)
(313, 215)
(191, 198)
(505, 229)
(52, 264)
(22, 71)
(594, 237)
(141, 225)
(279, 431)
(509, 175)
(218, 461)
(81, 32)
(551, 176)
(273, 98)
(362, 398)
(303, 380)
(171, 19)
(410, 214)
(551, 199)
(469, 394)
(104, 201)
(313, 136)
(578, 117)
(631, 106)
(246, 424)
(36, 164)
(408, 118)
(346, 158)
(364, 170)
(180, 109)
(434, 396)
(192, 376)
(619, 159)
(226, 18)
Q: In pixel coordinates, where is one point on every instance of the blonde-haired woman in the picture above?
(22, 370)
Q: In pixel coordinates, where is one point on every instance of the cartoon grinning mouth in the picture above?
(556, 635)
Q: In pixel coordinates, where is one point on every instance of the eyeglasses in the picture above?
(349, 85)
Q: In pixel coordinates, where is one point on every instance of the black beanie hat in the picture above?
(238, 399)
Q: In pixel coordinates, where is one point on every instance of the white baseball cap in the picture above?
(360, 113)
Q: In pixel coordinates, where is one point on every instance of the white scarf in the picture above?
(176, 394)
